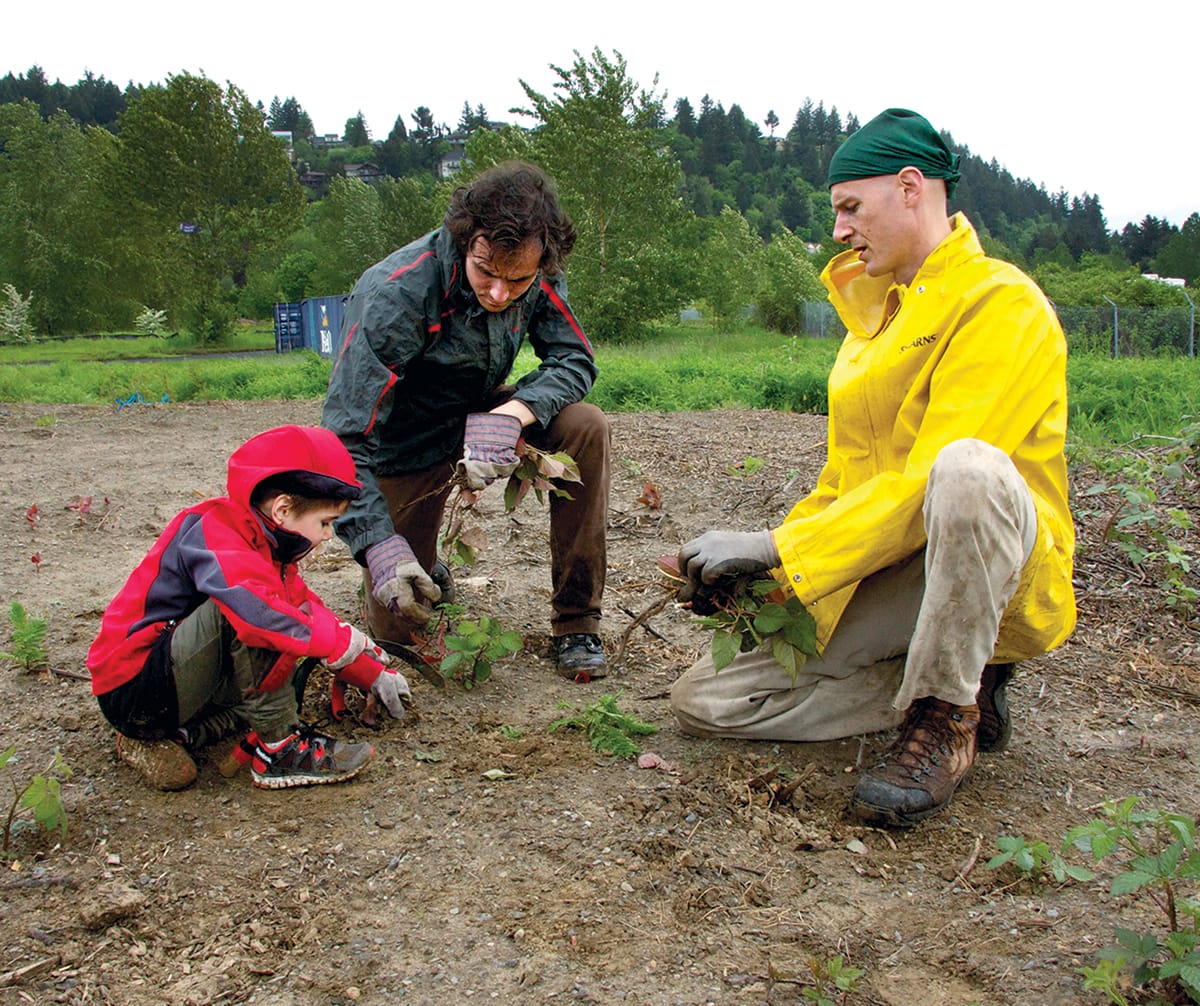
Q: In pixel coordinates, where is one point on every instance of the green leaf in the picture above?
(43, 797)
(1129, 881)
(770, 618)
(512, 641)
(787, 656)
(724, 648)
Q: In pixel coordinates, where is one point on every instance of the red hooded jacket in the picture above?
(225, 550)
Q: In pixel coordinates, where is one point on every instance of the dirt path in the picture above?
(579, 878)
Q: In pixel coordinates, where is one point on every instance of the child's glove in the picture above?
(489, 448)
(352, 643)
(371, 676)
(399, 582)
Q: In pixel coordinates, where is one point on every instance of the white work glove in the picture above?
(353, 643)
(399, 582)
(489, 448)
(390, 687)
(715, 554)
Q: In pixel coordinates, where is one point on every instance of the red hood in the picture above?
(288, 449)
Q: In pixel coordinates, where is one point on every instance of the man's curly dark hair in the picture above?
(507, 205)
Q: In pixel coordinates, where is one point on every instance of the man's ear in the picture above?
(912, 184)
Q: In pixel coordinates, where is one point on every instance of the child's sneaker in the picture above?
(307, 759)
(163, 764)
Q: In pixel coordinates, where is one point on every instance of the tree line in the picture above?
(177, 196)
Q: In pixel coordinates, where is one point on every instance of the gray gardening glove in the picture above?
(489, 448)
(715, 554)
(399, 582)
(391, 688)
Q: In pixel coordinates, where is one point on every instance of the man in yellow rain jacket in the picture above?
(936, 547)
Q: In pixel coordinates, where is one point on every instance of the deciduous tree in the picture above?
(619, 183)
(209, 189)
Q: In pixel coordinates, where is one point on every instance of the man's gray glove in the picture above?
(489, 448)
(715, 554)
(399, 582)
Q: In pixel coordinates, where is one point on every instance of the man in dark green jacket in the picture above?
(418, 393)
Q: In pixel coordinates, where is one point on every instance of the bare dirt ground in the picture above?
(581, 878)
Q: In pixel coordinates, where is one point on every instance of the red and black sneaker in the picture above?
(306, 758)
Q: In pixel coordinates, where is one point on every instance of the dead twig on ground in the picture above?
(648, 612)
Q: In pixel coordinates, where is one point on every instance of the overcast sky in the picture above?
(1098, 98)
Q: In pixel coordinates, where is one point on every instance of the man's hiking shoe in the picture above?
(307, 759)
(580, 657)
(995, 724)
(164, 764)
(921, 770)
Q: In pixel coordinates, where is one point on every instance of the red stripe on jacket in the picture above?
(548, 290)
(411, 265)
(391, 382)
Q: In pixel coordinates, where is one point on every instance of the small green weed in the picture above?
(41, 796)
(746, 468)
(1157, 856)
(474, 646)
(44, 421)
(831, 977)
(511, 733)
(1153, 537)
(28, 640)
(1035, 860)
(610, 730)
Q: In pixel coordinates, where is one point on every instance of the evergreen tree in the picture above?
(356, 133)
(1180, 255)
(685, 118)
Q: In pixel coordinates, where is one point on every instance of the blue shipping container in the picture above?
(322, 322)
(289, 333)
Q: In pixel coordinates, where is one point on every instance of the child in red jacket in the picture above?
(211, 626)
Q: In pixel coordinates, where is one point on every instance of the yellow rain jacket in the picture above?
(971, 348)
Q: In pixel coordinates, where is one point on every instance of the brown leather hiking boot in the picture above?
(163, 764)
(924, 766)
(995, 725)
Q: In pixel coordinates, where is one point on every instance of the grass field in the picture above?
(683, 368)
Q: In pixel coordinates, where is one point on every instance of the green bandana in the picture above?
(893, 140)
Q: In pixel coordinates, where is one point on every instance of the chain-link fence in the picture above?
(1123, 331)
(1129, 331)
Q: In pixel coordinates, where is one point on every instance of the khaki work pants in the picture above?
(924, 627)
(578, 526)
(215, 672)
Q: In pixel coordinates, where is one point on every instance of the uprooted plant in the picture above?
(749, 612)
(539, 471)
